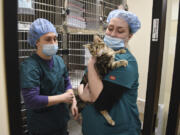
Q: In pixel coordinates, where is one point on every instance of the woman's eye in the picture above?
(120, 31)
(48, 39)
(110, 29)
(55, 39)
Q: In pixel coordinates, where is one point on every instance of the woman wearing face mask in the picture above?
(45, 84)
(117, 92)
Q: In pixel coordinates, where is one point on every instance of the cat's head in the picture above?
(96, 47)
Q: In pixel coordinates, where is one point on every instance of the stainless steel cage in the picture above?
(77, 56)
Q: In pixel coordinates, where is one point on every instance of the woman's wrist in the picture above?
(92, 61)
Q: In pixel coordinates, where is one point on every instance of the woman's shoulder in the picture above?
(124, 75)
(29, 63)
(29, 60)
(126, 56)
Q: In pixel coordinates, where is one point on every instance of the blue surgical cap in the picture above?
(38, 28)
(129, 17)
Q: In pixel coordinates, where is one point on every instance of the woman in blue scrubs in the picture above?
(117, 92)
(45, 84)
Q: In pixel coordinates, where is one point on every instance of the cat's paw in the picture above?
(124, 63)
(122, 51)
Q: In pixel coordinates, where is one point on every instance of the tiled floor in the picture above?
(74, 128)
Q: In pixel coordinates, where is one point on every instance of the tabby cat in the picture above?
(104, 63)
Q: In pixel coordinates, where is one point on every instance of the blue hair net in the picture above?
(38, 28)
(129, 17)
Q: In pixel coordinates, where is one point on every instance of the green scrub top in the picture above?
(35, 72)
(125, 112)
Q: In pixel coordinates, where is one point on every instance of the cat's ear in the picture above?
(97, 39)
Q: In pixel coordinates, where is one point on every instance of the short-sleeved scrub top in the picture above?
(124, 112)
(35, 72)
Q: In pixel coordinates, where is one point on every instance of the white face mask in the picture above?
(114, 43)
(50, 49)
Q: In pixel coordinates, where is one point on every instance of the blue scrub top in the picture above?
(35, 72)
(125, 112)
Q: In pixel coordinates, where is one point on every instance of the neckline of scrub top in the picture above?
(42, 58)
(46, 62)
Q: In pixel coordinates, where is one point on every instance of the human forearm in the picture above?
(67, 97)
(110, 95)
(84, 93)
(32, 99)
(52, 100)
(95, 83)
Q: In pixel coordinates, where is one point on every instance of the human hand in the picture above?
(68, 97)
(74, 111)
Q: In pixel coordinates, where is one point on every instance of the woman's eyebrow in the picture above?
(110, 25)
(51, 37)
(120, 27)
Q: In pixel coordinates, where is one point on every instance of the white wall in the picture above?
(140, 47)
(4, 125)
(168, 58)
(140, 43)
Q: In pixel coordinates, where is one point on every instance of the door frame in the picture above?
(12, 66)
(155, 65)
(174, 106)
(154, 73)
